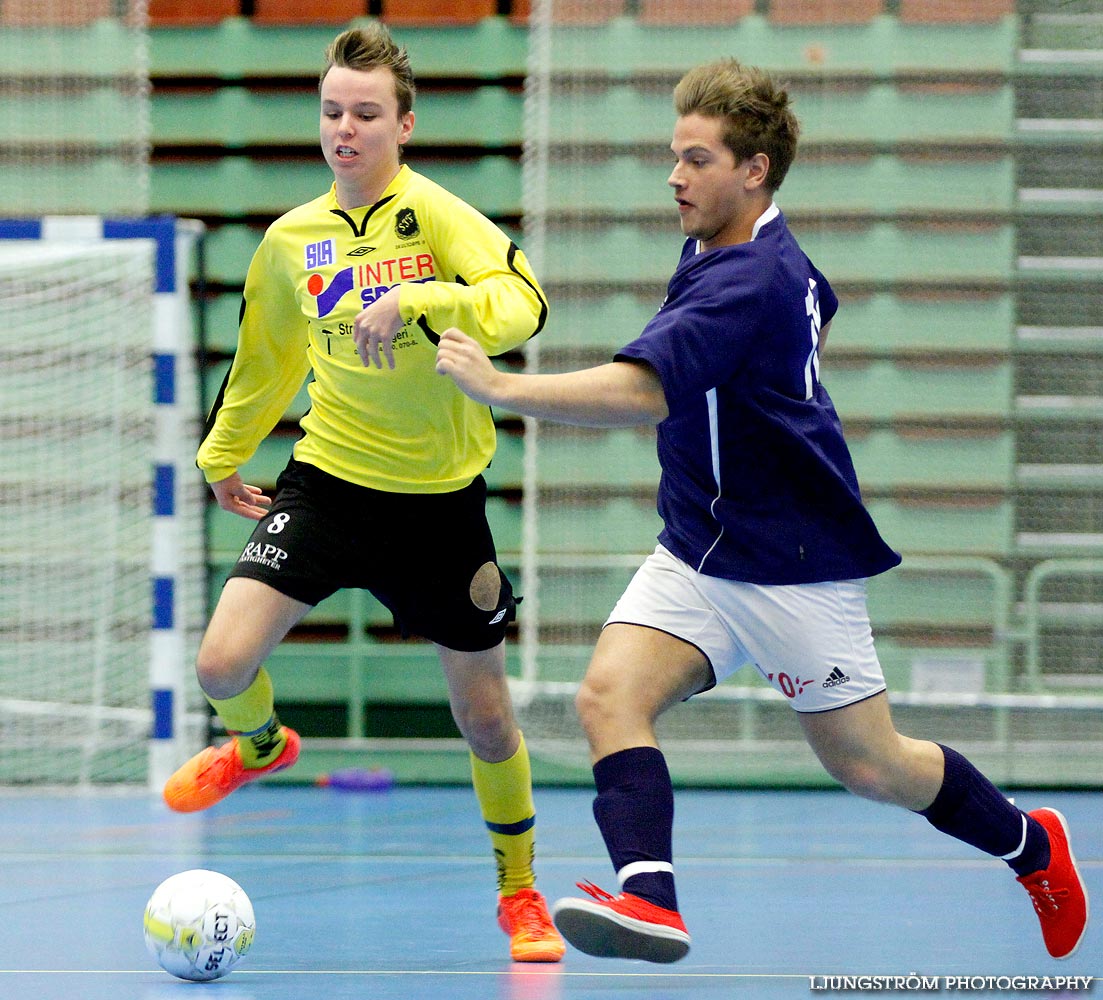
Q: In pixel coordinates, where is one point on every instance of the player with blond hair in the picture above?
(765, 545)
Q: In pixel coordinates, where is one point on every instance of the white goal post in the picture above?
(101, 544)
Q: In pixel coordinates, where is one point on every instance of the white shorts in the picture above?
(810, 641)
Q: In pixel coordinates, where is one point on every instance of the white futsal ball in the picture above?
(198, 924)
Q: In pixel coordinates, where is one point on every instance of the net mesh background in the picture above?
(948, 184)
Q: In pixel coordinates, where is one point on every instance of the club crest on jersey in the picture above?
(405, 224)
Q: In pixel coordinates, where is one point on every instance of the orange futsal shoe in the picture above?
(215, 772)
(532, 935)
(623, 926)
(1057, 892)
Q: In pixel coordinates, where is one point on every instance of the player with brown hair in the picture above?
(384, 491)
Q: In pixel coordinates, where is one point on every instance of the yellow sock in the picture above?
(250, 717)
(504, 792)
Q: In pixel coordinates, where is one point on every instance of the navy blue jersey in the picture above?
(757, 481)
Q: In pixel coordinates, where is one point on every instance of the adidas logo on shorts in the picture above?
(835, 678)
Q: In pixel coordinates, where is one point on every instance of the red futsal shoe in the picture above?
(532, 936)
(623, 926)
(214, 773)
(1057, 892)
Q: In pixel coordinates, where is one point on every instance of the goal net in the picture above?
(904, 193)
(74, 107)
(87, 474)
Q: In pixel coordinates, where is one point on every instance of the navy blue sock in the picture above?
(634, 810)
(969, 807)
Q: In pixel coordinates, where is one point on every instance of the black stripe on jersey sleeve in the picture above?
(434, 337)
(208, 426)
(511, 256)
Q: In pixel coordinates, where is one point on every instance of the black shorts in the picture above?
(428, 557)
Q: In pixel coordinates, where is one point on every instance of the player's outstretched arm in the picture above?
(239, 498)
(620, 394)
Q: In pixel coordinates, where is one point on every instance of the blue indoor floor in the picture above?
(391, 895)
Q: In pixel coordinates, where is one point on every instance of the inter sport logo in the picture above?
(328, 298)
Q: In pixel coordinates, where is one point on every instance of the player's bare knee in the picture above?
(595, 704)
(489, 731)
(863, 778)
(220, 675)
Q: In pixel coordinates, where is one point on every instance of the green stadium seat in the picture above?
(879, 183)
(246, 186)
(600, 322)
(930, 458)
(937, 321)
(982, 525)
(234, 116)
(357, 673)
(892, 323)
(611, 252)
(221, 317)
(30, 113)
(891, 112)
(78, 187)
(506, 469)
(578, 524)
(907, 661)
(581, 458)
(579, 597)
(488, 117)
(593, 181)
(626, 47)
(850, 251)
(490, 183)
(955, 254)
(887, 183)
(929, 47)
(229, 248)
(235, 49)
(184, 185)
(940, 593)
(103, 48)
(916, 387)
(635, 113)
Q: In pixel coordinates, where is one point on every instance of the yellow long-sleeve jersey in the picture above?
(406, 430)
